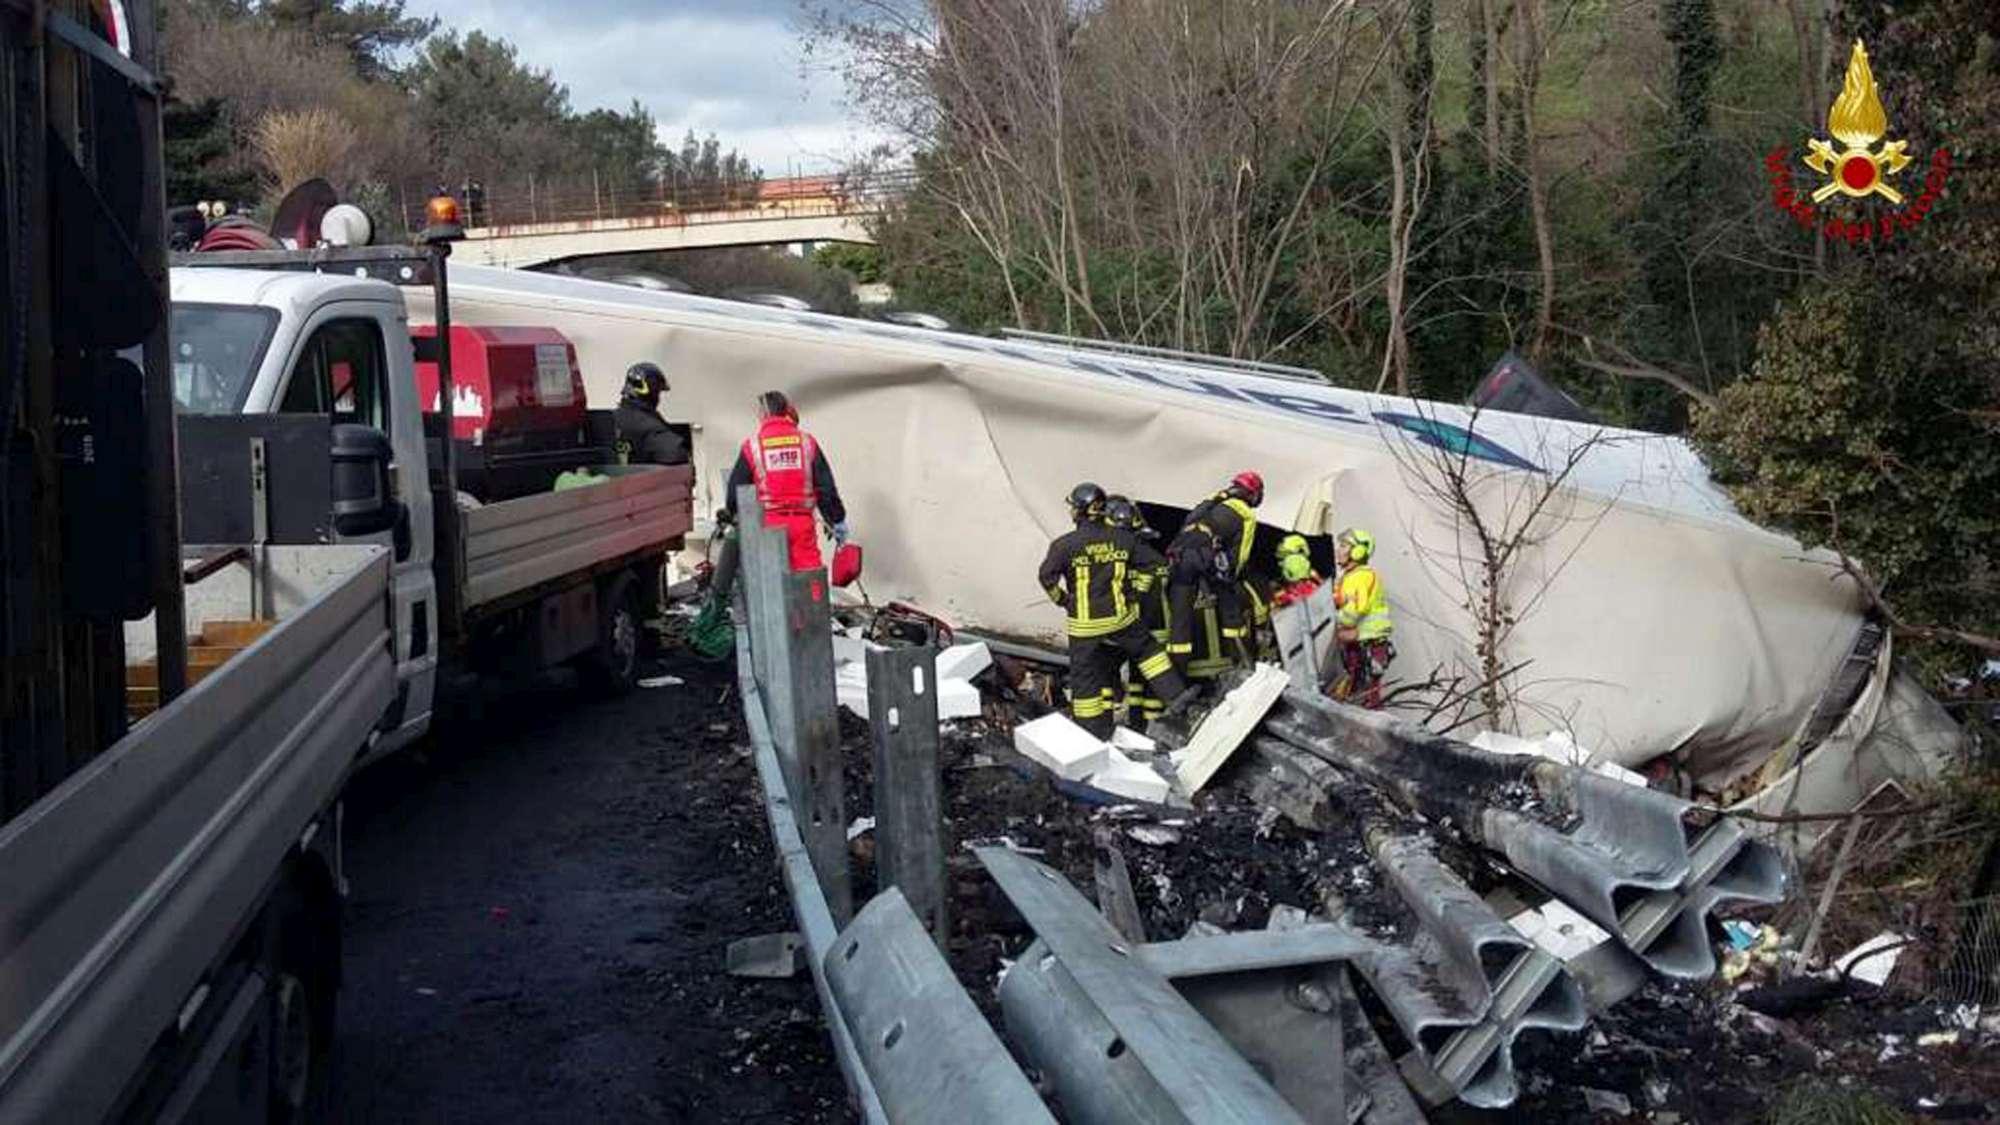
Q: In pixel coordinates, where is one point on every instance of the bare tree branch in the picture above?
(1902, 628)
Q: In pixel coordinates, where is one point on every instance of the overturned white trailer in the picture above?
(1650, 618)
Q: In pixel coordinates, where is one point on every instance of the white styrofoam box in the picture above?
(957, 699)
(1062, 747)
(1135, 781)
(1225, 728)
(1131, 741)
(962, 662)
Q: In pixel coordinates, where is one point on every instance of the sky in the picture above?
(731, 67)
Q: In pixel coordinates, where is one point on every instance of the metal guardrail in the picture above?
(910, 1042)
(1646, 866)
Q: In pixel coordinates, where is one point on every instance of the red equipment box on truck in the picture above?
(512, 385)
(518, 412)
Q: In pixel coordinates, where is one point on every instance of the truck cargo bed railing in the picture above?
(118, 887)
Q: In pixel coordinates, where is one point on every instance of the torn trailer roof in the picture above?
(1647, 617)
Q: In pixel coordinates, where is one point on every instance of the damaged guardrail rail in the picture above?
(1648, 867)
(1412, 992)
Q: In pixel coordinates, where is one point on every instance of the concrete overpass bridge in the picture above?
(800, 211)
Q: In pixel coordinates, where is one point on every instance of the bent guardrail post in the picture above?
(909, 803)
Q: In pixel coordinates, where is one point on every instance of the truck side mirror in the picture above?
(364, 502)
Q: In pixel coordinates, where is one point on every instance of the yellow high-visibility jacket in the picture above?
(1362, 604)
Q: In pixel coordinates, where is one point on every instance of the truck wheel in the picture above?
(613, 666)
(292, 1050)
(302, 1024)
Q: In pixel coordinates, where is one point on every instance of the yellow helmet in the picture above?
(1293, 544)
(1355, 544)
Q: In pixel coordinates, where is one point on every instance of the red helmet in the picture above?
(1251, 484)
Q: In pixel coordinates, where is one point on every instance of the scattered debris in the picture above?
(1873, 960)
(1556, 746)
(1758, 948)
(1234, 862)
(963, 662)
(1559, 930)
(1123, 777)
(1154, 835)
(1938, 1039)
(850, 688)
(662, 681)
(1132, 742)
(850, 648)
(768, 956)
(1226, 727)
(1605, 1101)
(957, 697)
(1007, 842)
(1285, 916)
(1116, 899)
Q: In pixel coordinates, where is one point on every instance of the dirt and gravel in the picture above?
(541, 900)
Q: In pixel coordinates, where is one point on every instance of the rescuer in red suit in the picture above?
(793, 479)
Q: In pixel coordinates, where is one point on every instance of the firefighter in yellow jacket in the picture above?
(1362, 626)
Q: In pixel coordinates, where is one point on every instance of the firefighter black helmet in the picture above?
(1120, 511)
(1086, 501)
(646, 382)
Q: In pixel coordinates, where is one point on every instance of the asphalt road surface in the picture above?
(540, 903)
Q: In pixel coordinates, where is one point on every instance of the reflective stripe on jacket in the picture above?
(1232, 523)
(781, 458)
(1363, 606)
(1094, 573)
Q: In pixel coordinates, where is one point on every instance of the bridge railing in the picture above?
(667, 202)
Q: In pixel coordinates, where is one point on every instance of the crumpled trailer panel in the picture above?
(1651, 616)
